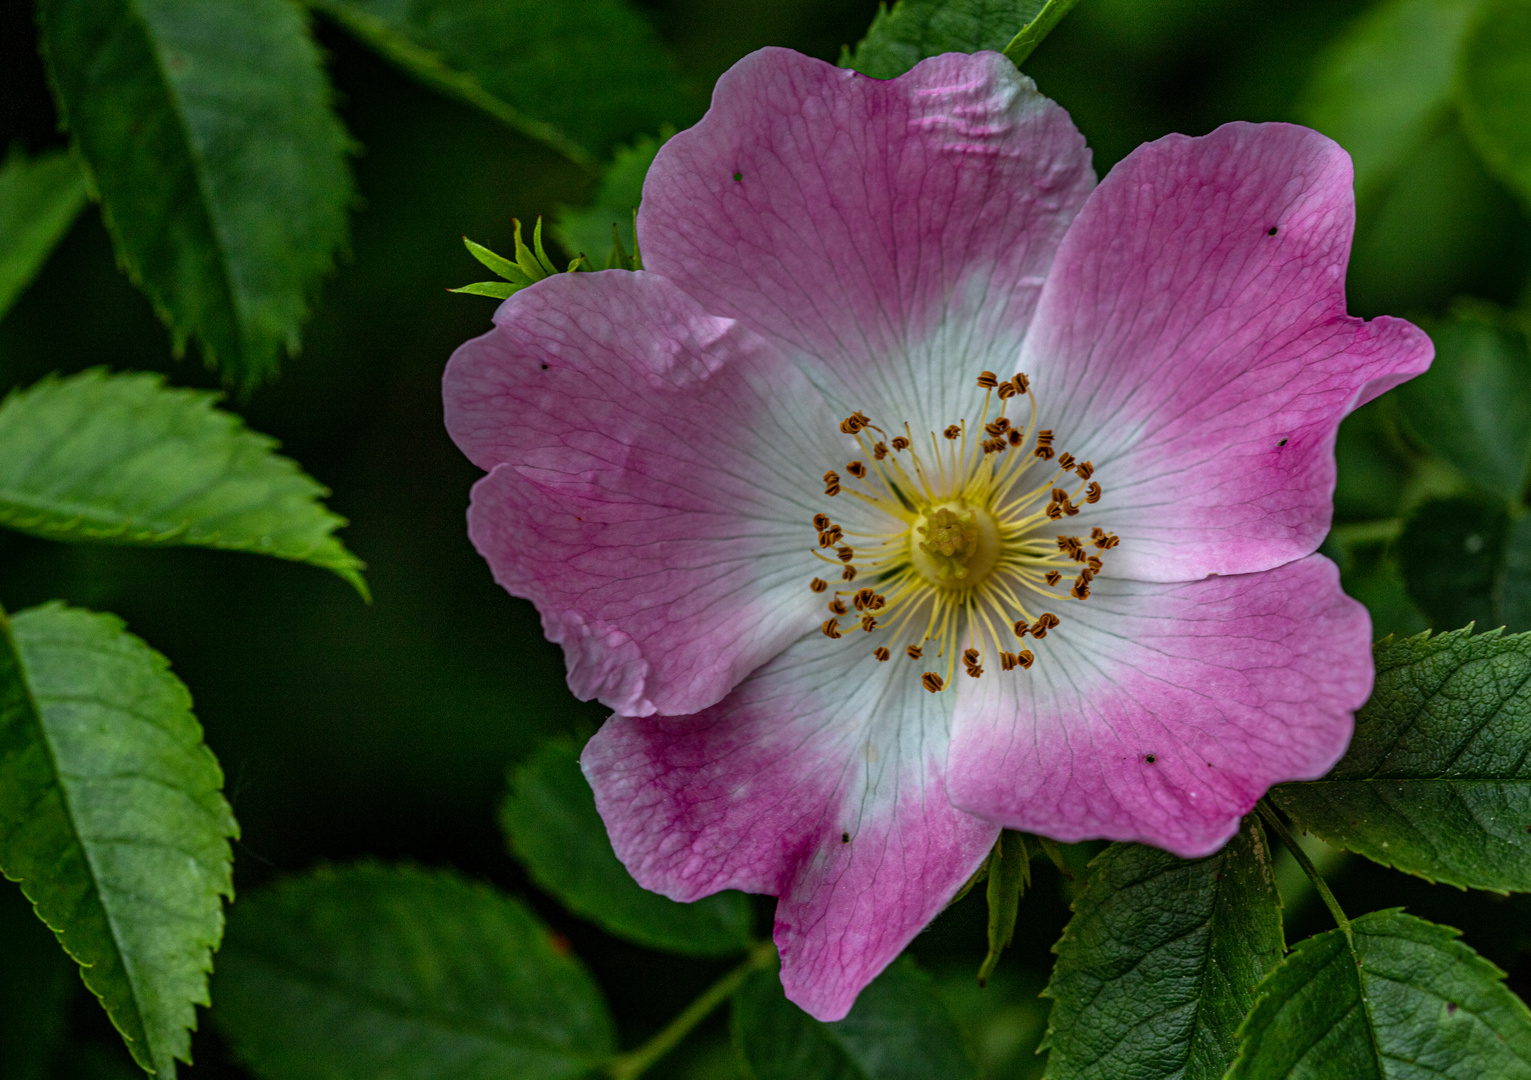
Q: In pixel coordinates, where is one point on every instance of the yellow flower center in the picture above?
(964, 548)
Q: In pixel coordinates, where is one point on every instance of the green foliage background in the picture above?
(387, 731)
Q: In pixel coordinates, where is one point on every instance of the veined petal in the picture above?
(819, 780)
(1192, 342)
(1160, 713)
(655, 472)
(891, 236)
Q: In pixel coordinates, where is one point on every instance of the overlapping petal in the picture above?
(819, 780)
(892, 237)
(654, 475)
(1192, 342)
(1161, 712)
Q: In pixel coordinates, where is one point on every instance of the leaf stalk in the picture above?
(1277, 826)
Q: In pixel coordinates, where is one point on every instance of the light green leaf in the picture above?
(39, 200)
(897, 1030)
(113, 820)
(1034, 32)
(587, 230)
(1495, 81)
(1437, 780)
(373, 972)
(221, 170)
(498, 290)
(1405, 1000)
(1384, 88)
(1159, 964)
(916, 29)
(36, 981)
(577, 75)
(123, 459)
(1450, 554)
(553, 828)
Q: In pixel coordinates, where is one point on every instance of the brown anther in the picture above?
(1053, 577)
(1070, 509)
(1106, 541)
(880, 450)
(1015, 436)
(837, 606)
(1066, 460)
(914, 651)
(821, 522)
(988, 380)
(1085, 470)
(974, 671)
(848, 574)
(878, 602)
(1006, 390)
(1059, 495)
(845, 554)
(830, 629)
(1055, 512)
(1094, 563)
(830, 536)
(900, 443)
(1087, 575)
(970, 656)
(831, 483)
(854, 422)
(1080, 591)
(1097, 533)
(1045, 437)
(1092, 493)
(997, 427)
(1024, 658)
(1021, 383)
(863, 598)
(868, 623)
(1069, 544)
(932, 682)
(881, 653)
(857, 470)
(818, 584)
(953, 432)
(1045, 622)
(1043, 452)
(1006, 661)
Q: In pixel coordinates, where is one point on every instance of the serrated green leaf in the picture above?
(553, 827)
(372, 972)
(1159, 964)
(1437, 780)
(39, 199)
(1406, 1000)
(897, 1030)
(587, 230)
(1450, 554)
(123, 459)
(1385, 87)
(1495, 90)
(916, 29)
(221, 170)
(112, 818)
(1473, 407)
(36, 981)
(514, 59)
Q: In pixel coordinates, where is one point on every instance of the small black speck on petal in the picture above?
(1281, 443)
(1149, 759)
(738, 176)
(845, 838)
(1271, 231)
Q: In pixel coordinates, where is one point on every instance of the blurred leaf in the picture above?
(1159, 964)
(82, 1061)
(1450, 554)
(577, 75)
(1512, 594)
(123, 459)
(586, 230)
(1384, 88)
(221, 170)
(1437, 780)
(35, 984)
(1495, 79)
(1009, 873)
(39, 200)
(1473, 407)
(551, 821)
(1373, 471)
(369, 972)
(1406, 999)
(897, 1030)
(1035, 32)
(113, 820)
(1369, 572)
(916, 29)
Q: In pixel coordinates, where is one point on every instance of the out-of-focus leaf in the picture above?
(1035, 32)
(1369, 572)
(1406, 999)
(1437, 779)
(1159, 964)
(1473, 407)
(1450, 554)
(39, 199)
(898, 1030)
(586, 230)
(221, 170)
(577, 75)
(112, 818)
(123, 459)
(1373, 471)
(915, 29)
(554, 829)
(1384, 87)
(1495, 79)
(35, 984)
(369, 972)
(1512, 594)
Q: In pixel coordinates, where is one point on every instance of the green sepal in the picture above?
(499, 263)
(1054, 853)
(1009, 878)
(500, 290)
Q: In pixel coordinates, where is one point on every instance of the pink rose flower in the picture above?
(919, 487)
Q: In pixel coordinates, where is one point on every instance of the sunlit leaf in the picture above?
(39, 199)
(113, 820)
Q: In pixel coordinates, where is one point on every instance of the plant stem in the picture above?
(1268, 812)
(636, 1062)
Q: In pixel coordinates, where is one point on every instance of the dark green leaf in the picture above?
(122, 459)
(1496, 90)
(373, 972)
(1409, 1000)
(1513, 593)
(39, 200)
(1473, 407)
(587, 230)
(36, 980)
(1159, 964)
(1384, 87)
(1437, 780)
(578, 75)
(113, 820)
(551, 821)
(1450, 553)
(916, 29)
(1009, 870)
(221, 170)
(898, 1030)
(1374, 467)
